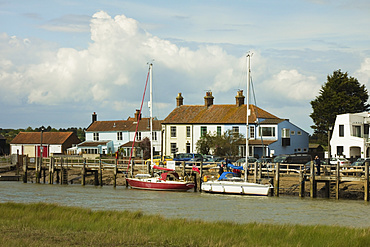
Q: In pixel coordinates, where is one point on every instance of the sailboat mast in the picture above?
(247, 121)
(151, 112)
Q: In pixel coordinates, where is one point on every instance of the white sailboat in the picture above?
(228, 183)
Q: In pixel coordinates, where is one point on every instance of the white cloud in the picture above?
(363, 74)
(291, 85)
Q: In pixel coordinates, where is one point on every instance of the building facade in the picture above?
(268, 134)
(30, 143)
(107, 137)
(350, 137)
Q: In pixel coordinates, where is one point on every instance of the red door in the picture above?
(44, 151)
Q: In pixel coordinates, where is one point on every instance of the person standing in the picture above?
(317, 164)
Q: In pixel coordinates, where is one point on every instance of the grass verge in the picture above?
(43, 224)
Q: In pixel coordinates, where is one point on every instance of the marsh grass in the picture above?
(43, 224)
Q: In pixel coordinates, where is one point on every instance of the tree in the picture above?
(145, 146)
(340, 94)
(222, 145)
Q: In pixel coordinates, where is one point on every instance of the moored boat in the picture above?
(168, 180)
(232, 183)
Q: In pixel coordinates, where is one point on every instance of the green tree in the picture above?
(226, 145)
(145, 146)
(340, 94)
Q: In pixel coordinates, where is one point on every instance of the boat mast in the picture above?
(247, 121)
(151, 112)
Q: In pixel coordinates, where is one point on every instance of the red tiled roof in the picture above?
(47, 137)
(215, 114)
(124, 125)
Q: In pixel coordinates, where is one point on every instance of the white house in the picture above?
(350, 137)
(269, 135)
(107, 137)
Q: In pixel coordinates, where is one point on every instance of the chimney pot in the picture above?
(208, 99)
(179, 100)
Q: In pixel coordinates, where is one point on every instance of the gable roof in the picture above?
(216, 114)
(47, 137)
(124, 125)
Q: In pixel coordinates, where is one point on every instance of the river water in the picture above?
(195, 205)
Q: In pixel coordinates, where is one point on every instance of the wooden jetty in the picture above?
(69, 169)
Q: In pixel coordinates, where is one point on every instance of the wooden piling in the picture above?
(366, 185)
(100, 172)
(201, 176)
(115, 175)
(37, 170)
(337, 181)
(277, 179)
(51, 170)
(83, 173)
(301, 183)
(255, 172)
(313, 183)
(25, 161)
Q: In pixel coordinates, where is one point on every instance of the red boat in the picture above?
(169, 181)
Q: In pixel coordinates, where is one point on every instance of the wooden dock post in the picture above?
(25, 161)
(255, 172)
(313, 183)
(61, 171)
(337, 181)
(115, 174)
(83, 175)
(201, 176)
(366, 185)
(132, 169)
(277, 179)
(302, 183)
(51, 170)
(37, 170)
(100, 172)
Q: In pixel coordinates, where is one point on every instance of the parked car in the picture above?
(342, 161)
(186, 157)
(266, 162)
(157, 159)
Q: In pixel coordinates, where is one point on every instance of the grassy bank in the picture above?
(51, 225)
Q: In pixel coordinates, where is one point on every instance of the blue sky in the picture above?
(60, 61)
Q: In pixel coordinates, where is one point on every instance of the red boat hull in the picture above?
(153, 184)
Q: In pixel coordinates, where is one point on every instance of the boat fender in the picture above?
(205, 178)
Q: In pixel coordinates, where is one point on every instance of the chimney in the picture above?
(137, 115)
(239, 98)
(94, 117)
(208, 99)
(179, 100)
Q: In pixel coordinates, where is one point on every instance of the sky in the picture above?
(62, 60)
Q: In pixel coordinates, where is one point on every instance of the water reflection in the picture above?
(190, 205)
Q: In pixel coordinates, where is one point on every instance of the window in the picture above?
(119, 136)
(299, 133)
(341, 130)
(96, 136)
(173, 148)
(340, 150)
(203, 131)
(292, 132)
(138, 136)
(235, 130)
(187, 131)
(154, 135)
(219, 131)
(267, 131)
(188, 147)
(356, 131)
(251, 132)
(173, 131)
(285, 133)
